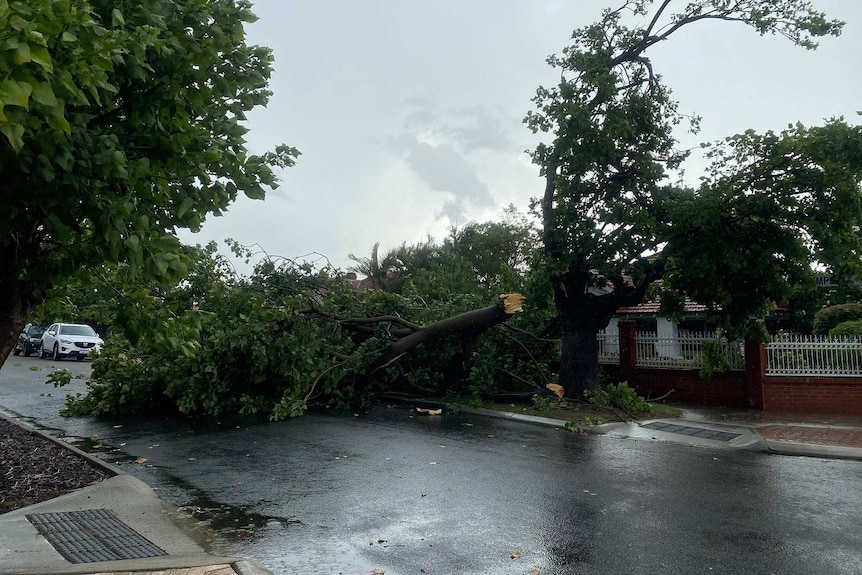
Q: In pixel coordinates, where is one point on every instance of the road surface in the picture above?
(391, 490)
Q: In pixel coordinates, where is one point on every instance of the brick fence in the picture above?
(751, 388)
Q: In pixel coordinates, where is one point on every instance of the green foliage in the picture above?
(755, 213)
(618, 396)
(716, 355)
(122, 384)
(59, 377)
(545, 404)
(847, 329)
(119, 124)
(830, 317)
(286, 337)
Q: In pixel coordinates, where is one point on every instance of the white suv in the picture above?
(69, 339)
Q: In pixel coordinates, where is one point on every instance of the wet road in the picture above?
(460, 494)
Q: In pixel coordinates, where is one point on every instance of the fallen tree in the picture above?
(288, 338)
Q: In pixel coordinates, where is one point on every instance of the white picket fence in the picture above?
(799, 355)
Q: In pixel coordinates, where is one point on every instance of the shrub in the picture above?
(847, 329)
(618, 396)
(829, 317)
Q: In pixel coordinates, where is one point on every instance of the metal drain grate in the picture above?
(692, 431)
(92, 535)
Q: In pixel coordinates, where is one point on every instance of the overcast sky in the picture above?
(409, 114)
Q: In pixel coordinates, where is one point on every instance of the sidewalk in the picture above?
(838, 436)
(788, 434)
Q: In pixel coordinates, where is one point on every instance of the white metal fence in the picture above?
(687, 351)
(609, 347)
(800, 355)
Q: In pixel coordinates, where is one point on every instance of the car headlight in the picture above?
(66, 341)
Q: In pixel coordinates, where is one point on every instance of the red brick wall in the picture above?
(813, 395)
(723, 389)
(749, 389)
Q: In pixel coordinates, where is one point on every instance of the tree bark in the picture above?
(473, 322)
(14, 307)
(583, 312)
(579, 358)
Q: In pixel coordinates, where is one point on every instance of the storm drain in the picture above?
(92, 535)
(692, 431)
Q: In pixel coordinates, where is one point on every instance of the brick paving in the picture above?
(205, 570)
(841, 436)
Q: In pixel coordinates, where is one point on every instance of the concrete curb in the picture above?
(814, 450)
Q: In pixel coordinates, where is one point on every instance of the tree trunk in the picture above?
(14, 309)
(579, 357)
(582, 311)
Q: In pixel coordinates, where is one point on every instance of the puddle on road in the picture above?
(309, 551)
(218, 527)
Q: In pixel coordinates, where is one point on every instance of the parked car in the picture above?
(29, 340)
(69, 340)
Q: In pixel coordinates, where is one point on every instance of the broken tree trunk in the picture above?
(472, 322)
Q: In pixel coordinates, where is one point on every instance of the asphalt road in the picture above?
(461, 494)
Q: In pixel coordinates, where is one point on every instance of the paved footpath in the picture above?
(806, 434)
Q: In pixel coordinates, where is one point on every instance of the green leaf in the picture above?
(22, 53)
(17, 23)
(43, 93)
(14, 134)
(14, 93)
(59, 123)
(133, 242)
(117, 19)
(39, 55)
(185, 206)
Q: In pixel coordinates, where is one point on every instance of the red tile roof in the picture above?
(653, 307)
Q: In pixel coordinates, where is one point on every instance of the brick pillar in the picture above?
(628, 350)
(755, 373)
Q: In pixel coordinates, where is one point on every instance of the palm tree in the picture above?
(379, 272)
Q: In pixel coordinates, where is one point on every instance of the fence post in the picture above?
(755, 373)
(628, 350)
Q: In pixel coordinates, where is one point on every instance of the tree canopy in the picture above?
(614, 219)
(119, 124)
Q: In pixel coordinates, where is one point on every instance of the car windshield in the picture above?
(77, 330)
(36, 330)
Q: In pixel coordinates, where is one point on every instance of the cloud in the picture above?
(444, 169)
(446, 149)
(476, 128)
(470, 129)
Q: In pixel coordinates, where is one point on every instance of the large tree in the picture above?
(614, 224)
(119, 124)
